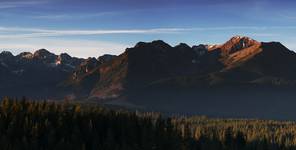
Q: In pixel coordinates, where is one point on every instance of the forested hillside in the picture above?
(32, 125)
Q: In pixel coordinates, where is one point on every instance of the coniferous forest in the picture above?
(35, 125)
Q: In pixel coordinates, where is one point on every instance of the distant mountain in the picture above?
(242, 77)
(85, 76)
(241, 61)
(34, 74)
(228, 79)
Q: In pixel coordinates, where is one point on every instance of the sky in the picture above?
(90, 28)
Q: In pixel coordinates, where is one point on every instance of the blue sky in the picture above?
(94, 27)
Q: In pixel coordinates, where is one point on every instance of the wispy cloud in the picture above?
(35, 32)
(16, 4)
(28, 39)
(19, 32)
(74, 16)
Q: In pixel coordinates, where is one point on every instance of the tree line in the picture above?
(46, 125)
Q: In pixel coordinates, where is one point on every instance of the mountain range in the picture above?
(240, 78)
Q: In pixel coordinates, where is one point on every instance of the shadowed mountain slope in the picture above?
(242, 77)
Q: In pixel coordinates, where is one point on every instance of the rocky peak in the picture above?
(63, 58)
(182, 46)
(237, 43)
(160, 44)
(243, 39)
(43, 54)
(90, 60)
(85, 67)
(211, 47)
(5, 55)
(200, 49)
(154, 44)
(25, 55)
(88, 65)
(106, 58)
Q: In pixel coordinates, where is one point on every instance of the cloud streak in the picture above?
(34, 32)
(16, 32)
(24, 39)
(17, 4)
(74, 16)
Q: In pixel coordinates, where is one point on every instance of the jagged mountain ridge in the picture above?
(240, 77)
(37, 74)
(240, 61)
